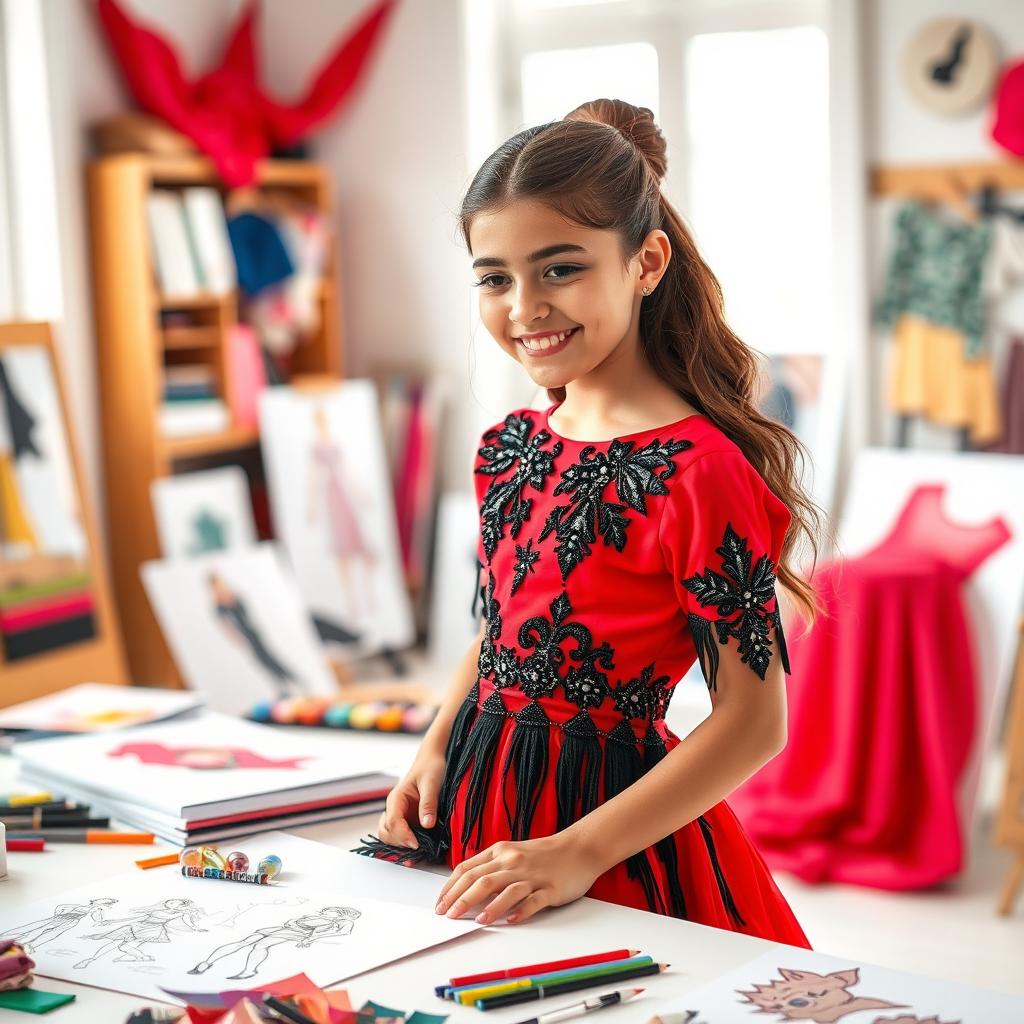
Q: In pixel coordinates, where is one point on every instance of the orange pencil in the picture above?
(90, 835)
(157, 862)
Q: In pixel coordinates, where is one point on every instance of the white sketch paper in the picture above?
(332, 500)
(237, 627)
(142, 932)
(792, 984)
(197, 513)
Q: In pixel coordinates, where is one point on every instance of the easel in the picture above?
(953, 185)
(1010, 825)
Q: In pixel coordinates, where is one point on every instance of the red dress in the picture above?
(881, 724)
(605, 569)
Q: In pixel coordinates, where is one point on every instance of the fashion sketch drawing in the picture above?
(302, 932)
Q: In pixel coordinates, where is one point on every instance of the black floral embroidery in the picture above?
(635, 475)
(525, 557)
(641, 697)
(742, 589)
(538, 673)
(513, 446)
(492, 615)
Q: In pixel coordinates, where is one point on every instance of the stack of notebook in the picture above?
(212, 777)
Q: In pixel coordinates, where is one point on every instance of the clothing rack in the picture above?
(953, 184)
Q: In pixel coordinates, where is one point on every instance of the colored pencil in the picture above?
(25, 845)
(88, 836)
(621, 995)
(156, 862)
(30, 823)
(552, 965)
(22, 799)
(469, 995)
(43, 805)
(540, 991)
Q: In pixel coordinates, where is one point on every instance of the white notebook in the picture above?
(172, 252)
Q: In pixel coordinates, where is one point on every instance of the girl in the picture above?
(636, 524)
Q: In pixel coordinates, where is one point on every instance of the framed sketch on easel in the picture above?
(57, 626)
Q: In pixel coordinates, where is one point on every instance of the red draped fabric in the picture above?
(881, 713)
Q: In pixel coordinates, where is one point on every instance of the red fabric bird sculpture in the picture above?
(226, 112)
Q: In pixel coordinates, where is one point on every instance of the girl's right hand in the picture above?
(413, 800)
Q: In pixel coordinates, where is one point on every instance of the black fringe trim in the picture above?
(780, 636)
(480, 749)
(434, 842)
(707, 649)
(654, 751)
(579, 770)
(723, 886)
(622, 767)
(528, 758)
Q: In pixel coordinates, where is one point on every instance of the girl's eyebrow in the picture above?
(540, 254)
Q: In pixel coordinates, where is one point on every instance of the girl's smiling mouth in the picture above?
(547, 345)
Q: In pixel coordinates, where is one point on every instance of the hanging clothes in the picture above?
(881, 720)
(935, 302)
(1012, 391)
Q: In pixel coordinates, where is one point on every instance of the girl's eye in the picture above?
(486, 282)
(569, 268)
(565, 270)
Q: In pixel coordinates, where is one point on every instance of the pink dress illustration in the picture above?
(346, 539)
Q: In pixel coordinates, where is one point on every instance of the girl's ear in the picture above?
(654, 257)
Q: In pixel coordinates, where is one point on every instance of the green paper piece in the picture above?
(419, 1017)
(31, 1000)
(381, 1011)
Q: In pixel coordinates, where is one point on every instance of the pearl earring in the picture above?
(646, 290)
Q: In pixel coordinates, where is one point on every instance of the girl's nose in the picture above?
(526, 306)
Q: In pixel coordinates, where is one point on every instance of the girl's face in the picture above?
(540, 275)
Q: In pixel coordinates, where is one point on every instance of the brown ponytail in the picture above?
(602, 167)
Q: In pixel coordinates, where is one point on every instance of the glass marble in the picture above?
(270, 866)
(238, 861)
(212, 858)
(191, 857)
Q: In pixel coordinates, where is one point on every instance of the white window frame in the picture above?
(667, 25)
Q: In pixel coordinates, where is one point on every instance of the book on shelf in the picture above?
(196, 416)
(169, 239)
(209, 230)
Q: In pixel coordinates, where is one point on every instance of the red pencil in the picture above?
(26, 845)
(554, 965)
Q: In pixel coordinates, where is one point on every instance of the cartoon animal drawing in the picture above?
(65, 917)
(911, 1018)
(202, 757)
(805, 995)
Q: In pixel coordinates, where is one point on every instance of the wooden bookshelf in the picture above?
(133, 347)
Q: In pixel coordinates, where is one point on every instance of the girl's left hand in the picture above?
(527, 876)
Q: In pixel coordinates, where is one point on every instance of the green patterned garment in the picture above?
(935, 271)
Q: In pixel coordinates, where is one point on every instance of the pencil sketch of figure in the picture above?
(236, 621)
(150, 924)
(329, 487)
(65, 916)
(231, 917)
(302, 931)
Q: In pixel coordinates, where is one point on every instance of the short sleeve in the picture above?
(721, 534)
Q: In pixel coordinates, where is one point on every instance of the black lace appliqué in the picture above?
(742, 589)
(643, 697)
(635, 473)
(487, 660)
(525, 557)
(512, 446)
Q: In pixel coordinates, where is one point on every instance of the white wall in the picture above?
(85, 86)
(900, 132)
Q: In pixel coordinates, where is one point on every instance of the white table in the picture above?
(697, 953)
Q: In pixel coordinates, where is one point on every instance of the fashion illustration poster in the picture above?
(333, 506)
(237, 627)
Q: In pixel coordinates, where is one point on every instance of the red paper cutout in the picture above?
(202, 757)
